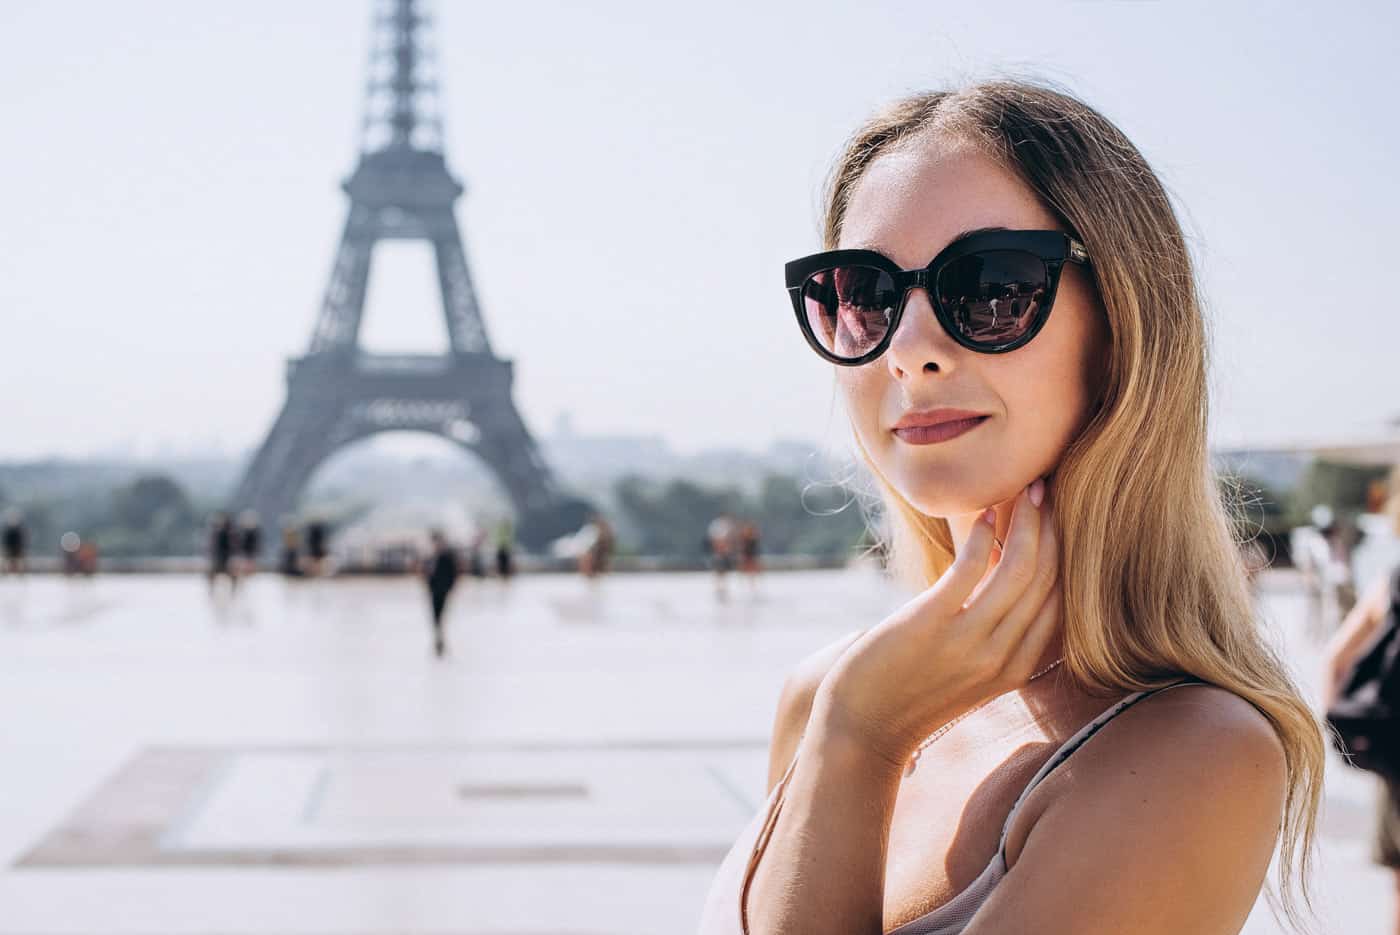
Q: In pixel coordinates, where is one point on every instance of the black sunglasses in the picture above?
(991, 290)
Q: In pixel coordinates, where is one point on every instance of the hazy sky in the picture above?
(637, 174)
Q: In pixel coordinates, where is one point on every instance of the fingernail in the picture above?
(989, 516)
(1037, 491)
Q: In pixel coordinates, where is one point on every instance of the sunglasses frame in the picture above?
(1052, 248)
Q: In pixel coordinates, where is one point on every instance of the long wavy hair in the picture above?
(1154, 583)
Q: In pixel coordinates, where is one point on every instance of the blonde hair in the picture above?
(1144, 602)
(1391, 506)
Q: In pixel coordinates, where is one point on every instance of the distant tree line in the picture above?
(148, 516)
(672, 517)
(152, 515)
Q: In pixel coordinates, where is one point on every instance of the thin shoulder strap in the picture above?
(1077, 741)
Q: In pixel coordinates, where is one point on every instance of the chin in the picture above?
(944, 496)
(941, 505)
(941, 482)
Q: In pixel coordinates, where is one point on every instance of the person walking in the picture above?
(290, 562)
(505, 549)
(594, 543)
(317, 548)
(603, 545)
(14, 540)
(248, 543)
(87, 557)
(221, 551)
(581, 544)
(748, 552)
(1359, 630)
(440, 573)
(721, 538)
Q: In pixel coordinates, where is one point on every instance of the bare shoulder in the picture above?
(795, 703)
(1185, 742)
(1213, 726)
(1179, 799)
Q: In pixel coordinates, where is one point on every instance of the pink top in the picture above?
(721, 913)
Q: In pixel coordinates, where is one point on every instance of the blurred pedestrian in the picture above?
(290, 563)
(505, 549)
(317, 548)
(1342, 539)
(581, 545)
(247, 543)
(440, 573)
(603, 545)
(1359, 631)
(594, 543)
(87, 557)
(721, 534)
(221, 551)
(14, 542)
(748, 551)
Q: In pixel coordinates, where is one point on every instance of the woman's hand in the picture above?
(956, 644)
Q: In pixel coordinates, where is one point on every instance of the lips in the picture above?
(937, 425)
(935, 416)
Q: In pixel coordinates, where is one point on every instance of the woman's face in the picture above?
(910, 204)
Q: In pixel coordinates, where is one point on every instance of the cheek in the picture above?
(862, 390)
(1050, 392)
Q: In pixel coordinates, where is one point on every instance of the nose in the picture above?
(919, 345)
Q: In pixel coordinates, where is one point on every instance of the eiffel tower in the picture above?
(337, 393)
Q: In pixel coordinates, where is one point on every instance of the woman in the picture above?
(1075, 727)
(1360, 628)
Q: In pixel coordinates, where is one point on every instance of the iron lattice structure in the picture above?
(337, 393)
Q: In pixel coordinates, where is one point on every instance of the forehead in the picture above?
(916, 199)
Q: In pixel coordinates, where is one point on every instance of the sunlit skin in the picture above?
(909, 205)
(861, 847)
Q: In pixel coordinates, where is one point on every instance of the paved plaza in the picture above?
(294, 760)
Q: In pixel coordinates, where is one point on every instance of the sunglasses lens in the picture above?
(994, 296)
(849, 308)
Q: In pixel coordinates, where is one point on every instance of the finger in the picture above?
(1014, 573)
(1047, 568)
(1046, 563)
(955, 586)
(1011, 629)
(993, 560)
(999, 547)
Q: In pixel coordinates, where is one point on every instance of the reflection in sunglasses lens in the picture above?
(994, 295)
(849, 308)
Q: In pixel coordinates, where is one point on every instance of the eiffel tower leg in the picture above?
(544, 511)
(300, 439)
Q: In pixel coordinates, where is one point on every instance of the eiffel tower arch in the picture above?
(337, 393)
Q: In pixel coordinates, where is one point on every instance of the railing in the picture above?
(403, 363)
